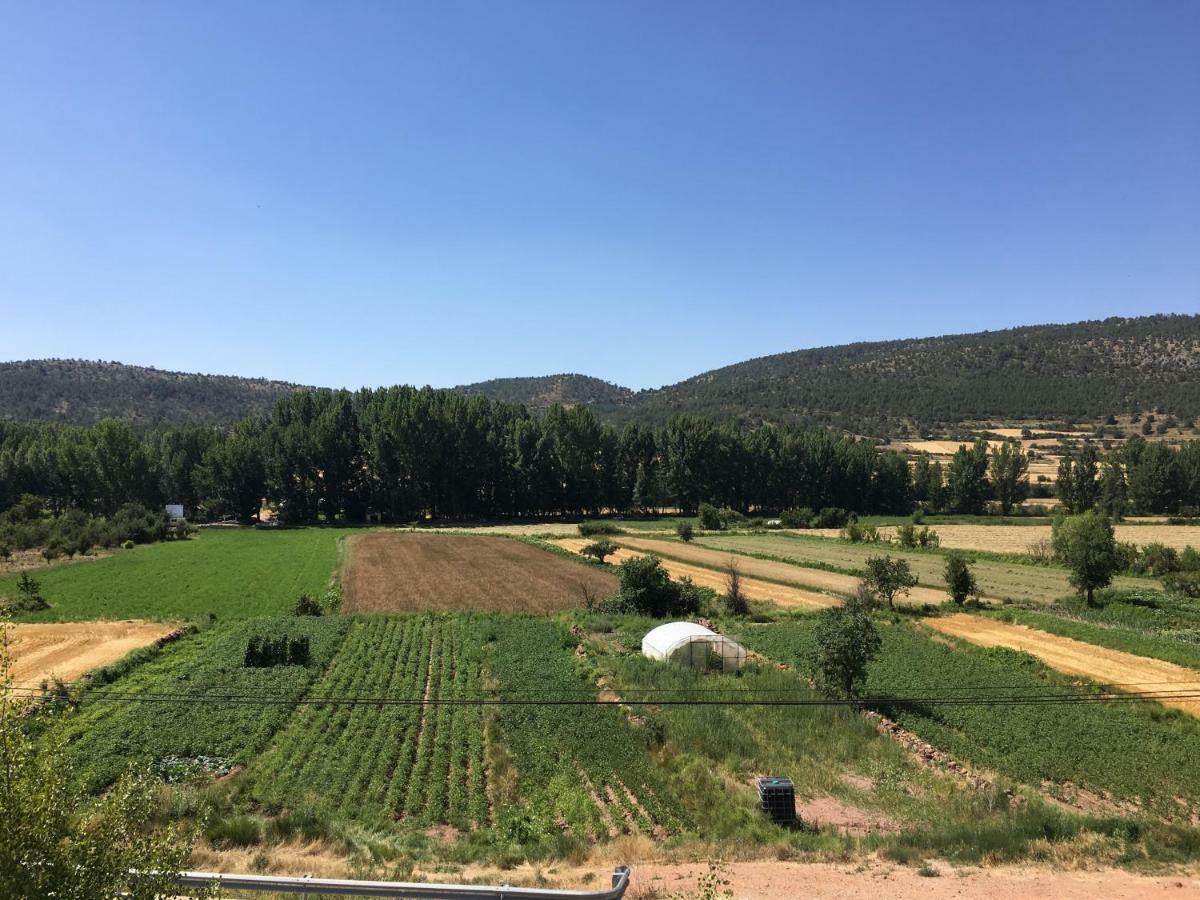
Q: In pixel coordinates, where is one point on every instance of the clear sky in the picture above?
(354, 193)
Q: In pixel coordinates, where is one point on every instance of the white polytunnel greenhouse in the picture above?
(694, 646)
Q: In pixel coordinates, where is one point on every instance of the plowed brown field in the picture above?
(817, 579)
(400, 572)
(69, 649)
(755, 589)
(1112, 667)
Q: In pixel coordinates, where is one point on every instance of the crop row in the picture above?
(412, 761)
(192, 718)
(1133, 751)
(582, 767)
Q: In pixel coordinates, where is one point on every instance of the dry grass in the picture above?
(817, 579)
(753, 588)
(68, 650)
(1019, 538)
(402, 572)
(1113, 667)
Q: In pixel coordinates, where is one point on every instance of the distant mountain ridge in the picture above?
(542, 391)
(1078, 371)
(81, 392)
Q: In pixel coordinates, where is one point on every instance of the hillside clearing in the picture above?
(754, 588)
(413, 572)
(817, 579)
(68, 650)
(1101, 664)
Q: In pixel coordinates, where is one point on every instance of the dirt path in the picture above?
(817, 579)
(1074, 657)
(69, 649)
(753, 588)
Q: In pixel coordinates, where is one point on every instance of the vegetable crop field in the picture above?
(230, 573)
(406, 572)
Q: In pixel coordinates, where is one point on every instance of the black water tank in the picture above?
(777, 796)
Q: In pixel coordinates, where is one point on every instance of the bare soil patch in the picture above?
(755, 589)
(69, 649)
(403, 572)
(1112, 667)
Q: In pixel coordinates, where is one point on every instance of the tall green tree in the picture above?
(1086, 545)
(845, 641)
(966, 479)
(1010, 475)
(1077, 484)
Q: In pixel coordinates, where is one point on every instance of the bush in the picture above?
(29, 596)
(647, 589)
(960, 580)
(831, 517)
(710, 518)
(239, 831)
(796, 518)
(1185, 584)
(845, 642)
(128, 545)
(736, 603)
(599, 550)
(1158, 560)
(685, 531)
(1189, 559)
(860, 534)
(912, 536)
(591, 529)
(307, 605)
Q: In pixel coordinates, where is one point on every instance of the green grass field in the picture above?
(999, 579)
(232, 573)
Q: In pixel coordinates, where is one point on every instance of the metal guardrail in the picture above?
(408, 890)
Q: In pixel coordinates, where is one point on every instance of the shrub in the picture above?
(591, 529)
(5, 551)
(960, 580)
(128, 545)
(730, 517)
(796, 518)
(307, 605)
(647, 589)
(831, 517)
(710, 518)
(1158, 560)
(29, 595)
(239, 831)
(860, 534)
(1185, 584)
(599, 550)
(736, 603)
(1189, 559)
(685, 531)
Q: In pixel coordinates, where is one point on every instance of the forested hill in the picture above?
(82, 392)
(544, 391)
(1077, 371)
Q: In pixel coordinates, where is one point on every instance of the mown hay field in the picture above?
(1021, 538)
(997, 579)
(232, 573)
(769, 571)
(786, 596)
(1124, 671)
(67, 650)
(414, 572)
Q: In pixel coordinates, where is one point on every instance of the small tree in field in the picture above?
(845, 643)
(736, 603)
(685, 531)
(1087, 546)
(887, 577)
(960, 580)
(599, 550)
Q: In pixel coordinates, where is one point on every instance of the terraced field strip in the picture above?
(999, 580)
(70, 649)
(422, 763)
(766, 570)
(1111, 667)
(1019, 538)
(755, 589)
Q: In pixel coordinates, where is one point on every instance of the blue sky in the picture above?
(375, 193)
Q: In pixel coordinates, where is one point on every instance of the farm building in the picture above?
(694, 646)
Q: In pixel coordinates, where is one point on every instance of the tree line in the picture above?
(400, 454)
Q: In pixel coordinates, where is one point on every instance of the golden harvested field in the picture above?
(1019, 538)
(997, 580)
(771, 571)
(404, 572)
(755, 589)
(69, 649)
(1111, 667)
